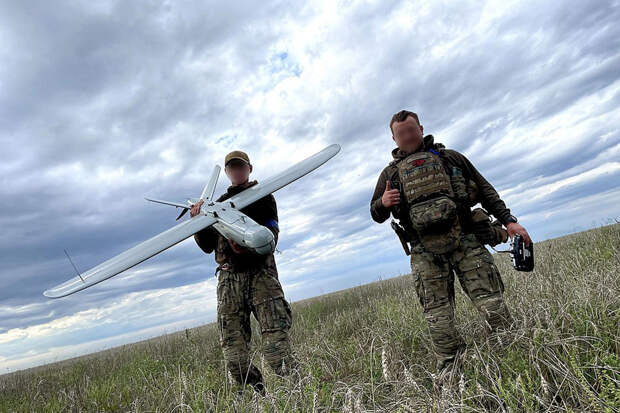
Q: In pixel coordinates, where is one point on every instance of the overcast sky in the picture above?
(103, 103)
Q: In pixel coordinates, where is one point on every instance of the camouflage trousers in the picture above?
(240, 294)
(434, 282)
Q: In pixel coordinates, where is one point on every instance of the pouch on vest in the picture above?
(465, 190)
(472, 192)
(487, 232)
(429, 195)
(459, 186)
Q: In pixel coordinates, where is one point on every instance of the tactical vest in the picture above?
(430, 197)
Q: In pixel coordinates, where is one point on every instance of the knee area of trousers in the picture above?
(273, 314)
(276, 343)
(232, 339)
(232, 326)
(440, 317)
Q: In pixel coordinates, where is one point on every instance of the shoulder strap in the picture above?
(444, 161)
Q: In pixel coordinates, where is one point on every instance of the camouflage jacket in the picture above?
(478, 188)
(264, 212)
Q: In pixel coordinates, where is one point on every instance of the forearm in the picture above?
(490, 199)
(378, 211)
(272, 218)
(206, 240)
(496, 207)
(273, 227)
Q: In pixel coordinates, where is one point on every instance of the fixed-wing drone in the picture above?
(225, 217)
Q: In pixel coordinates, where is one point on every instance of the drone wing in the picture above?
(264, 188)
(132, 256)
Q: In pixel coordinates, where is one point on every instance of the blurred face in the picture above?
(407, 134)
(238, 171)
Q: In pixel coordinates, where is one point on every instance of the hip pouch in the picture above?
(487, 232)
(429, 195)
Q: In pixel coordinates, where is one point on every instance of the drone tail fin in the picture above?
(209, 189)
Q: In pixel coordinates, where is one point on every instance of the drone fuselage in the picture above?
(240, 228)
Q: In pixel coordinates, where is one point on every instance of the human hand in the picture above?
(237, 249)
(195, 210)
(391, 196)
(514, 228)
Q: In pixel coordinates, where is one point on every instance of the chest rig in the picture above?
(430, 199)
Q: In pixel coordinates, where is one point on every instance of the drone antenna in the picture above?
(74, 267)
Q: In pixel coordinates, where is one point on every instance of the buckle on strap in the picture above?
(222, 267)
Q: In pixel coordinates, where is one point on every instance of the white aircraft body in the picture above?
(225, 217)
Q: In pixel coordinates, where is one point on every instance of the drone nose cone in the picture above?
(260, 239)
(267, 248)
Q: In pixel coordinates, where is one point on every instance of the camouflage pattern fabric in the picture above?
(239, 294)
(428, 193)
(437, 224)
(434, 282)
(422, 176)
(486, 231)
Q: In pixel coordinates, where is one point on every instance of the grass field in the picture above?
(367, 349)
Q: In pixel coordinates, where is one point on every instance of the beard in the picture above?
(411, 146)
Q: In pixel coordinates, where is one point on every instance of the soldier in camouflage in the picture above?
(248, 283)
(441, 186)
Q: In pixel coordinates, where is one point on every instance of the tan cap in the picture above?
(237, 155)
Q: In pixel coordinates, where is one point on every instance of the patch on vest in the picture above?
(422, 176)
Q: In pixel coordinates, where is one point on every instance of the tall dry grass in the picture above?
(367, 349)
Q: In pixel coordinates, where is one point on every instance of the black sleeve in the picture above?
(271, 217)
(207, 239)
(378, 212)
(265, 213)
